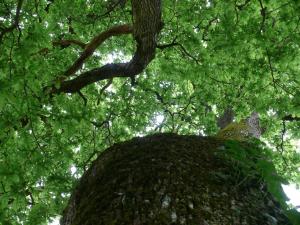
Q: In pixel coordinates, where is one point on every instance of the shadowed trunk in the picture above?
(169, 179)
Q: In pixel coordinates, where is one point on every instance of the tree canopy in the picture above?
(77, 76)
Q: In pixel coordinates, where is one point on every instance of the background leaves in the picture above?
(228, 53)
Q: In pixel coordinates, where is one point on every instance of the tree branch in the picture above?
(105, 86)
(162, 47)
(110, 81)
(94, 43)
(263, 13)
(83, 97)
(113, 4)
(282, 135)
(207, 27)
(183, 49)
(272, 71)
(241, 6)
(68, 42)
(146, 26)
(291, 118)
(15, 23)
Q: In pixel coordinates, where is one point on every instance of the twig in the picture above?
(206, 28)
(187, 105)
(30, 120)
(220, 81)
(83, 97)
(263, 12)
(272, 71)
(188, 54)
(282, 136)
(183, 49)
(279, 7)
(173, 43)
(103, 89)
(110, 9)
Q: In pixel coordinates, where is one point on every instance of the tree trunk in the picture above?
(169, 179)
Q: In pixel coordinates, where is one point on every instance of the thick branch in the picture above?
(107, 71)
(146, 26)
(94, 43)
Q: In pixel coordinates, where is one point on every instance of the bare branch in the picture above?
(146, 26)
(183, 49)
(94, 43)
(106, 86)
(103, 89)
(83, 97)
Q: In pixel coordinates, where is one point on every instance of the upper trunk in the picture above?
(169, 179)
(147, 24)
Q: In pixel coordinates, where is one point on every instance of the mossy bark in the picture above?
(169, 179)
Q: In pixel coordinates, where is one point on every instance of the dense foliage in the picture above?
(210, 55)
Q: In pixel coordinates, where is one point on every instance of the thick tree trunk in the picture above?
(169, 179)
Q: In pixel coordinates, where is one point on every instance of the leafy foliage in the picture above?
(210, 55)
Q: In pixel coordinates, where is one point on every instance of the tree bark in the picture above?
(146, 26)
(169, 179)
